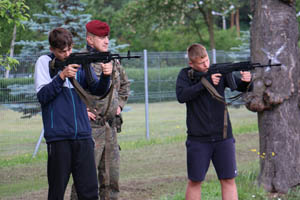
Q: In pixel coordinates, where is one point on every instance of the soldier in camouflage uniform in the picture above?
(107, 123)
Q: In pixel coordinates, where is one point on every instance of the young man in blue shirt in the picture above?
(66, 125)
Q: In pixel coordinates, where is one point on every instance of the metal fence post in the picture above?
(146, 94)
(37, 146)
(214, 56)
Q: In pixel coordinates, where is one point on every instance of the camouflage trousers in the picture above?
(111, 191)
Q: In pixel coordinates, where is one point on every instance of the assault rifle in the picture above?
(226, 68)
(85, 59)
(89, 57)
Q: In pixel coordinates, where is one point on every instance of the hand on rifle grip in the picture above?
(246, 76)
(69, 71)
(216, 78)
(107, 68)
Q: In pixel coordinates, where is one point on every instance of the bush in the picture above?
(16, 90)
(226, 39)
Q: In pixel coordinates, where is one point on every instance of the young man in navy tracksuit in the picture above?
(205, 126)
(66, 125)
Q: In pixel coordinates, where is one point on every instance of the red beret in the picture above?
(98, 28)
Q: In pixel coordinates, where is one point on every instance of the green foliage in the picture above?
(104, 10)
(226, 39)
(8, 62)
(168, 39)
(68, 14)
(153, 25)
(168, 26)
(22, 34)
(12, 12)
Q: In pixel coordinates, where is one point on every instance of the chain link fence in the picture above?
(17, 92)
(21, 127)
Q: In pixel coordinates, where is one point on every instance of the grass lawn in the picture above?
(150, 169)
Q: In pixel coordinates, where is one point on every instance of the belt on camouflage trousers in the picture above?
(101, 122)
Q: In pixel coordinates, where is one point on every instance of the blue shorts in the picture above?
(221, 153)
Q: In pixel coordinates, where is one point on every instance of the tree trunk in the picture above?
(232, 19)
(210, 21)
(274, 35)
(195, 26)
(237, 21)
(12, 47)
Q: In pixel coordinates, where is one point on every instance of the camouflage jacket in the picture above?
(120, 92)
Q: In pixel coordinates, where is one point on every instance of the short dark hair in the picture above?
(60, 38)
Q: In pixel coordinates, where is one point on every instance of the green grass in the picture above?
(22, 186)
(167, 125)
(18, 138)
(150, 169)
(23, 159)
(246, 184)
(247, 188)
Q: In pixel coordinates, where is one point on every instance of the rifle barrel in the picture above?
(268, 65)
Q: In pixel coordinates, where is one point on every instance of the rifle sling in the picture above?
(110, 91)
(218, 97)
(88, 99)
(108, 135)
(107, 155)
(90, 102)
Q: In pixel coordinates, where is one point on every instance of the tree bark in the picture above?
(275, 97)
(232, 19)
(12, 48)
(237, 21)
(210, 22)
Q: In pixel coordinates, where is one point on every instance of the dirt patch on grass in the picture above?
(152, 188)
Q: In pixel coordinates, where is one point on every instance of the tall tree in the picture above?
(104, 9)
(274, 35)
(69, 14)
(13, 12)
(21, 33)
(235, 15)
(176, 12)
